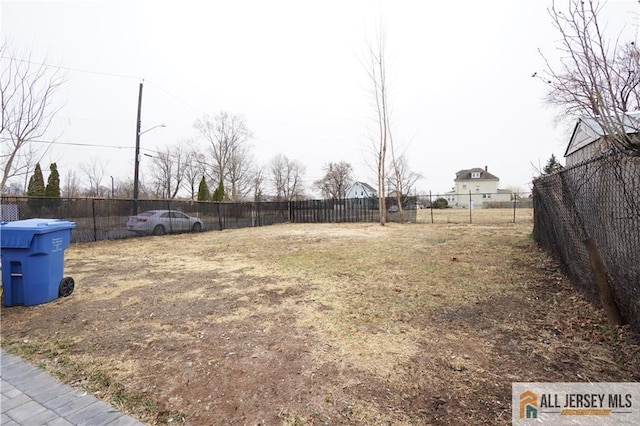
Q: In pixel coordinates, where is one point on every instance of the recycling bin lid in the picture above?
(19, 234)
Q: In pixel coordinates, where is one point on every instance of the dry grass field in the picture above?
(322, 324)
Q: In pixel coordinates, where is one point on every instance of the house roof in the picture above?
(587, 130)
(466, 175)
(366, 186)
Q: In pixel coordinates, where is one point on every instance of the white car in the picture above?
(159, 222)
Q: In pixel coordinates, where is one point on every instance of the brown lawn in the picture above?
(322, 324)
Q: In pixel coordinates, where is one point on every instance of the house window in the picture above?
(477, 188)
(486, 195)
(475, 175)
(464, 186)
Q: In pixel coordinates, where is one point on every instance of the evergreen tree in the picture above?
(203, 190)
(552, 166)
(52, 191)
(218, 194)
(36, 190)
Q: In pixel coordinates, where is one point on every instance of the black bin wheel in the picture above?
(66, 287)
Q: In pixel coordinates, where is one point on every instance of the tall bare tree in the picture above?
(337, 178)
(169, 168)
(225, 135)
(596, 77)
(286, 178)
(27, 91)
(375, 65)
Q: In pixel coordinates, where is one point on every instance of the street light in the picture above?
(136, 171)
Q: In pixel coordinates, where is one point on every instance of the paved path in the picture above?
(30, 396)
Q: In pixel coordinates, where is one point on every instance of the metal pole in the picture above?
(470, 206)
(431, 206)
(137, 160)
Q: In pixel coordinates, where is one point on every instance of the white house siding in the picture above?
(358, 190)
(484, 189)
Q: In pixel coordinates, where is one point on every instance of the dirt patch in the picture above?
(318, 324)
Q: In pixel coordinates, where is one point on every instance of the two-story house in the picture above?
(475, 188)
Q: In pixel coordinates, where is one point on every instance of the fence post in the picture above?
(515, 200)
(431, 206)
(470, 206)
(219, 216)
(95, 228)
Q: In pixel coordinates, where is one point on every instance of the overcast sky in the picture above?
(460, 75)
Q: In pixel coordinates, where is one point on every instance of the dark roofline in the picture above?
(484, 175)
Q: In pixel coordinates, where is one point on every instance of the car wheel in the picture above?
(197, 227)
(158, 230)
(66, 287)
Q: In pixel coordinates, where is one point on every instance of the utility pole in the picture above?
(137, 160)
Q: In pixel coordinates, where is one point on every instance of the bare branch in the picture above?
(27, 90)
(597, 78)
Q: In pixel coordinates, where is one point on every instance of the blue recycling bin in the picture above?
(32, 253)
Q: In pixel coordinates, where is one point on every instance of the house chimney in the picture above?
(486, 169)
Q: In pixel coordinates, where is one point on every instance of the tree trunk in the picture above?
(598, 267)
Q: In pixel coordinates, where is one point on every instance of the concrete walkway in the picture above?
(30, 396)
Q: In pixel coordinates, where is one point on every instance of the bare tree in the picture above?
(240, 173)
(596, 78)
(258, 184)
(286, 178)
(226, 135)
(71, 186)
(403, 179)
(194, 169)
(336, 180)
(375, 65)
(27, 91)
(169, 168)
(94, 171)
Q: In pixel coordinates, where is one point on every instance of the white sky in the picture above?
(460, 73)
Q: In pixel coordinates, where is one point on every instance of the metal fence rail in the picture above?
(599, 199)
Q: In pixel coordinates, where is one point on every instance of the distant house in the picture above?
(362, 195)
(589, 139)
(360, 190)
(475, 188)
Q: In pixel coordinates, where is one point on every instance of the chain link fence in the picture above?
(599, 200)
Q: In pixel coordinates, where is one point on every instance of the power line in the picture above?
(76, 144)
(107, 74)
(72, 69)
(175, 97)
